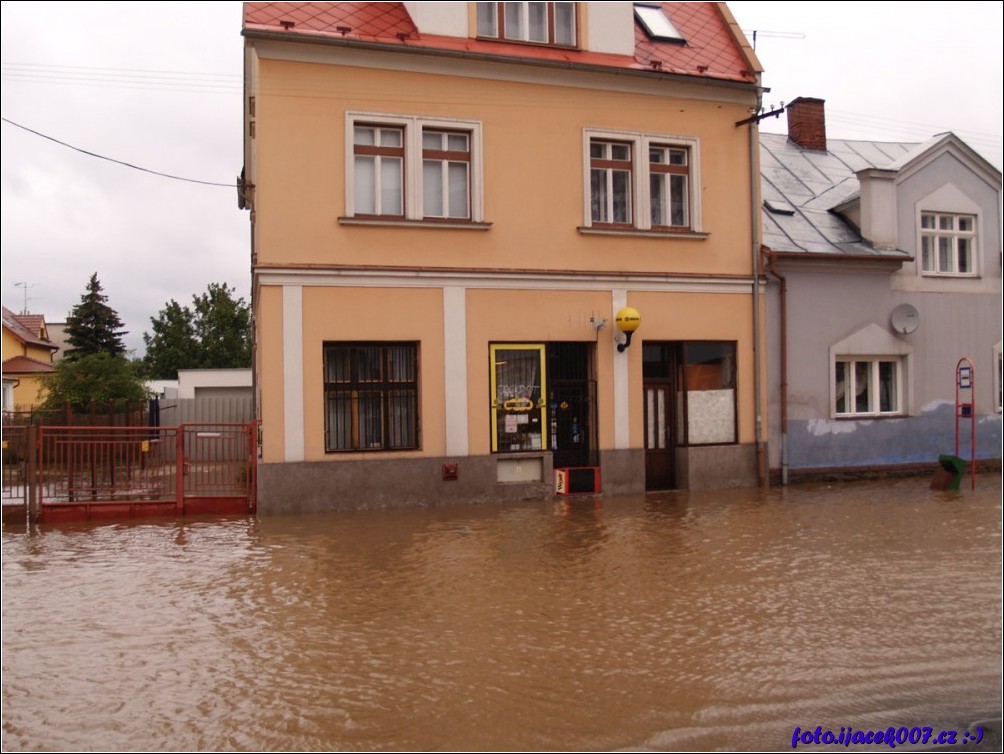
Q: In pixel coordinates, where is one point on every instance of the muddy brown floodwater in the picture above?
(670, 621)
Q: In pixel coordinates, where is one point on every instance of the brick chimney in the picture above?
(807, 123)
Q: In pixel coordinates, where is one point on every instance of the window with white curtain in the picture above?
(413, 168)
(538, 23)
(643, 182)
(379, 170)
(446, 173)
(866, 386)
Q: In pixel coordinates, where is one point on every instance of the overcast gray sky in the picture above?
(158, 85)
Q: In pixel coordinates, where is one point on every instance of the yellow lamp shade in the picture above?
(628, 319)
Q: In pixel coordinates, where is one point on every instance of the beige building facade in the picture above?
(447, 220)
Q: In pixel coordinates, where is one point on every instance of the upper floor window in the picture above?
(642, 182)
(540, 23)
(409, 168)
(446, 173)
(379, 170)
(668, 173)
(947, 243)
(610, 185)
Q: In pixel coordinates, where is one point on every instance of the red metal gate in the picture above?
(115, 472)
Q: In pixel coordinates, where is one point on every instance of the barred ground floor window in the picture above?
(370, 396)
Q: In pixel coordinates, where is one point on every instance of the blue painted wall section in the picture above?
(832, 443)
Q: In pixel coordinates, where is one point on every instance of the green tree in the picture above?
(214, 333)
(93, 327)
(222, 328)
(172, 346)
(98, 377)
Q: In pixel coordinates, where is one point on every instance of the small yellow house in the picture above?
(457, 207)
(27, 357)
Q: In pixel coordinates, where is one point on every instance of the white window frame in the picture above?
(446, 157)
(497, 22)
(379, 160)
(413, 127)
(874, 406)
(953, 236)
(641, 199)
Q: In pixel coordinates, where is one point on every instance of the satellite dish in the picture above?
(904, 319)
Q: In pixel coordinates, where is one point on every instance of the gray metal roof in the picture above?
(813, 183)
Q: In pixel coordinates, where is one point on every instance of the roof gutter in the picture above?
(301, 38)
(783, 345)
(828, 257)
(755, 219)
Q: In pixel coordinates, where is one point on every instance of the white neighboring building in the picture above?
(214, 383)
(884, 264)
(204, 395)
(163, 388)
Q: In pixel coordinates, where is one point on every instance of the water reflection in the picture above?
(670, 621)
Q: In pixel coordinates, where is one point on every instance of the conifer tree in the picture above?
(92, 326)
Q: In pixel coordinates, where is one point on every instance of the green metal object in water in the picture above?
(949, 476)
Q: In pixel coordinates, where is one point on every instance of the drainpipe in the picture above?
(761, 453)
(783, 315)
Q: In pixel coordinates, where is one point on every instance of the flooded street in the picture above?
(672, 621)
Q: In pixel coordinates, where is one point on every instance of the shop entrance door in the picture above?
(659, 365)
(571, 404)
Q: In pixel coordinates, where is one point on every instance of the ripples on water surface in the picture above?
(672, 621)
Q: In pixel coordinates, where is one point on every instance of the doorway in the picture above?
(571, 404)
(659, 365)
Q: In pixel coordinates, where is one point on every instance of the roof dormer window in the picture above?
(536, 23)
(948, 244)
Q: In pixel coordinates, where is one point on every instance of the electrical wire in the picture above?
(117, 162)
(132, 78)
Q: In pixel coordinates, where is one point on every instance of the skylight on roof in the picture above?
(656, 24)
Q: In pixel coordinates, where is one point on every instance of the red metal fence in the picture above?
(108, 472)
(15, 464)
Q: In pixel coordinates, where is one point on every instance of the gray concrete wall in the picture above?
(622, 472)
(716, 467)
(381, 483)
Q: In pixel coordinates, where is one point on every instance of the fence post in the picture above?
(252, 465)
(31, 474)
(179, 459)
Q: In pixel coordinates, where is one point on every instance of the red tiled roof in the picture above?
(26, 365)
(19, 326)
(711, 50)
(383, 21)
(32, 322)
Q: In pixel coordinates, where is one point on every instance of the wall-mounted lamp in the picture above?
(627, 320)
